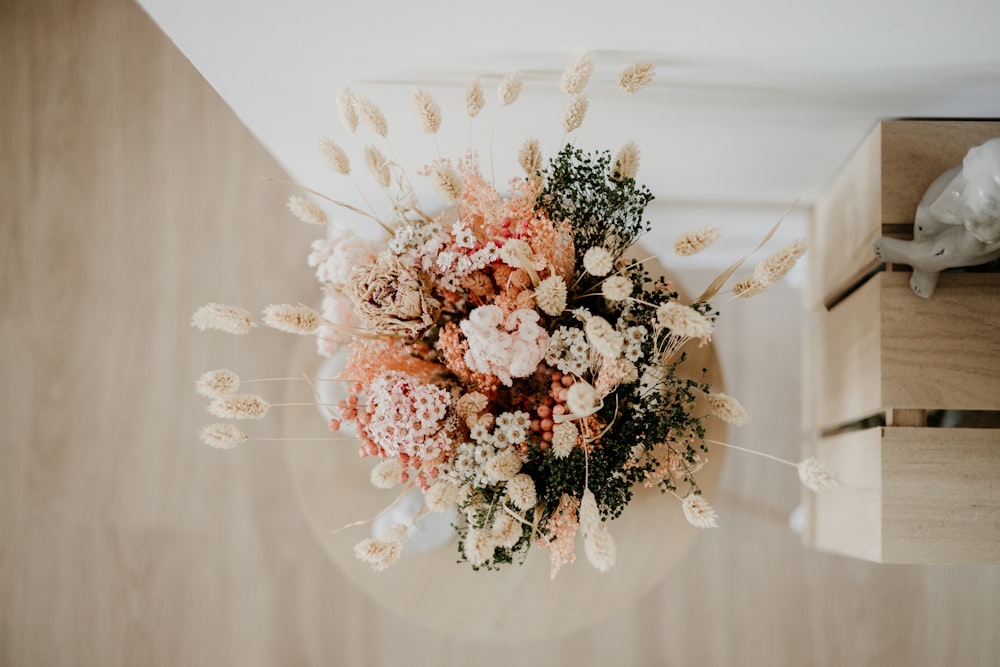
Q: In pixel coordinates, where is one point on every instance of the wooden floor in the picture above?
(129, 195)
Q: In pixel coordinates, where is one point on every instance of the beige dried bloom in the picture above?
(475, 100)
(748, 287)
(590, 515)
(222, 436)
(530, 157)
(502, 467)
(581, 398)
(816, 476)
(428, 111)
(441, 496)
(617, 288)
(447, 181)
(219, 382)
(479, 546)
(603, 338)
(696, 240)
(598, 261)
(683, 321)
(378, 166)
(600, 550)
(371, 115)
(470, 405)
(575, 79)
(728, 409)
(387, 474)
(221, 317)
(521, 489)
(779, 263)
(574, 114)
(516, 253)
(509, 89)
(550, 295)
(306, 211)
(635, 77)
(507, 530)
(698, 512)
(346, 110)
(335, 157)
(292, 319)
(392, 297)
(626, 163)
(380, 554)
(239, 406)
(564, 438)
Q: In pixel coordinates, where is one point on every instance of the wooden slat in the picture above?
(845, 223)
(848, 519)
(940, 495)
(846, 357)
(942, 352)
(914, 153)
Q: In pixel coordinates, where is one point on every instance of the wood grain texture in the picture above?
(942, 352)
(915, 153)
(941, 495)
(130, 196)
(846, 221)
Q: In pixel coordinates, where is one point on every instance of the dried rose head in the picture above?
(393, 298)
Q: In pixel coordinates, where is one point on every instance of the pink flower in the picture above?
(335, 257)
(338, 311)
(507, 348)
(397, 424)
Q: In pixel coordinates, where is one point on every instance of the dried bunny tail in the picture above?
(575, 78)
(530, 157)
(698, 512)
(380, 554)
(335, 157)
(564, 439)
(574, 114)
(589, 515)
(239, 406)
(748, 287)
(428, 111)
(371, 115)
(816, 476)
(221, 317)
(779, 263)
(694, 241)
(683, 320)
(509, 89)
(626, 163)
(378, 165)
(387, 474)
(296, 319)
(222, 436)
(728, 409)
(219, 382)
(475, 99)
(635, 77)
(447, 182)
(600, 550)
(347, 110)
(306, 211)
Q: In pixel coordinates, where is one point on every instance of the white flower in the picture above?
(698, 512)
(598, 261)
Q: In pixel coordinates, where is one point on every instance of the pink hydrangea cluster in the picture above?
(406, 415)
(335, 257)
(510, 347)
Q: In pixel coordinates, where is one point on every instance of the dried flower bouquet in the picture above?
(505, 355)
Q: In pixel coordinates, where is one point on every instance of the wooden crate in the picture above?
(876, 353)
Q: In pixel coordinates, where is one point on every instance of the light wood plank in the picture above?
(943, 352)
(941, 495)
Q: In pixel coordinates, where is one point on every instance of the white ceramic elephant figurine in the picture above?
(957, 221)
